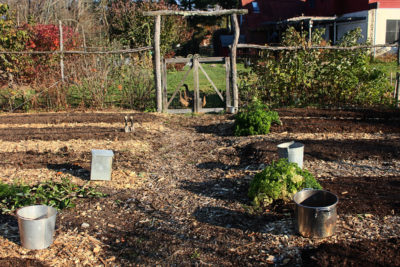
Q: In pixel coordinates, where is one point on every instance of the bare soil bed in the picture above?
(178, 194)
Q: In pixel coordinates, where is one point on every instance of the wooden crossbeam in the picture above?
(195, 13)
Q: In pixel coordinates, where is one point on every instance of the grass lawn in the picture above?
(390, 68)
(216, 72)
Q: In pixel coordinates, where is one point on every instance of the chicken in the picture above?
(185, 99)
(203, 104)
(186, 93)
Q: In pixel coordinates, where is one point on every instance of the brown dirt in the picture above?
(189, 206)
(361, 195)
(363, 253)
(13, 262)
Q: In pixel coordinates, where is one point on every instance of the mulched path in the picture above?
(193, 207)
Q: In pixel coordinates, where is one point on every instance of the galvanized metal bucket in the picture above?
(101, 166)
(230, 110)
(36, 226)
(293, 151)
(315, 213)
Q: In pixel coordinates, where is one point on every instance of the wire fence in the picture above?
(77, 79)
(101, 77)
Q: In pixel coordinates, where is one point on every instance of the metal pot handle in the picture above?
(320, 210)
(324, 209)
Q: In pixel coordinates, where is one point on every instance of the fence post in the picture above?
(397, 90)
(228, 98)
(157, 63)
(233, 62)
(61, 50)
(196, 94)
(398, 51)
(164, 86)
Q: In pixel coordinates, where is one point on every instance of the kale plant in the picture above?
(255, 119)
(280, 180)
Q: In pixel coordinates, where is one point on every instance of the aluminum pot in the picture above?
(315, 213)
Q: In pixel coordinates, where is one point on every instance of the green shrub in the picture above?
(59, 195)
(280, 180)
(323, 77)
(255, 119)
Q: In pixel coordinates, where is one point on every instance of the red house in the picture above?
(379, 20)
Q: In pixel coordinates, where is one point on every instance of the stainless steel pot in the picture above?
(315, 213)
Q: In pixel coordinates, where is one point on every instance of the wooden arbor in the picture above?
(157, 55)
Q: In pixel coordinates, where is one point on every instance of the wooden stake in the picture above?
(157, 62)
(397, 88)
(164, 86)
(233, 61)
(61, 50)
(398, 52)
(196, 98)
(227, 79)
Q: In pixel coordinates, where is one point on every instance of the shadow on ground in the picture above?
(234, 190)
(327, 150)
(362, 253)
(71, 169)
(220, 129)
(16, 262)
(244, 221)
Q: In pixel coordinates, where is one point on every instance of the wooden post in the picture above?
(233, 62)
(227, 79)
(61, 50)
(334, 32)
(157, 62)
(196, 94)
(397, 90)
(164, 86)
(398, 51)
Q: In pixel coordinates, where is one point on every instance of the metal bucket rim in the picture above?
(36, 220)
(317, 208)
(290, 145)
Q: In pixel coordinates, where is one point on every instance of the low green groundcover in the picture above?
(56, 194)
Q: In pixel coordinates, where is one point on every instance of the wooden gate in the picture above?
(195, 66)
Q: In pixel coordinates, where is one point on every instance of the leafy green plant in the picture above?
(324, 77)
(255, 119)
(60, 195)
(280, 180)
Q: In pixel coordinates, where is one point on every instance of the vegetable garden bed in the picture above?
(178, 193)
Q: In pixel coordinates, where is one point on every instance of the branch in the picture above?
(196, 13)
(275, 48)
(126, 51)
